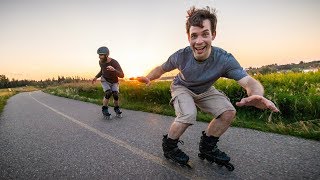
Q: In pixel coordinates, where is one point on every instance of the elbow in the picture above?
(121, 75)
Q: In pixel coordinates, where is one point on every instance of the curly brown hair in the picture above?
(196, 17)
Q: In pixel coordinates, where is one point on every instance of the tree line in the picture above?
(6, 83)
(299, 67)
(273, 68)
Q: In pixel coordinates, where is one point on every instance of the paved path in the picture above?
(48, 137)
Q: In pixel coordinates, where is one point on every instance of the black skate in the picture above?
(173, 153)
(105, 112)
(118, 112)
(209, 150)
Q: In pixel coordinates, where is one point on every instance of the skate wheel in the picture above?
(201, 156)
(188, 164)
(229, 166)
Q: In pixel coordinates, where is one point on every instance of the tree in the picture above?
(4, 81)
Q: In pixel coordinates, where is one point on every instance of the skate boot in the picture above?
(172, 152)
(105, 112)
(118, 112)
(209, 150)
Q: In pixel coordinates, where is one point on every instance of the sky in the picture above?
(42, 39)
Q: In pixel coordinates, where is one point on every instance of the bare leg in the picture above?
(218, 126)
(177, 129)
(105, 102)
(116, 103)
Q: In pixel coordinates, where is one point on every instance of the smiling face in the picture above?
(200, 40)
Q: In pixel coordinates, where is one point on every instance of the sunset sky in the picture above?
(41, 39)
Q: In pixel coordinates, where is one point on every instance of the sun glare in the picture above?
(135, 62)
(133, 72)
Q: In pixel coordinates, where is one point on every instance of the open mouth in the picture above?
(200, 50)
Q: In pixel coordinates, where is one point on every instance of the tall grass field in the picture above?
(297, 95)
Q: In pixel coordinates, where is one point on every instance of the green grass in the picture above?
(296, 94)
(4, 96)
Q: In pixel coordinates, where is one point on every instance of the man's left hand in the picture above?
(258, 102)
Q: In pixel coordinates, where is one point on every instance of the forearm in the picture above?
(99, 74)
(155, 73)
(255, 88)
(120, 74)
(252, 86)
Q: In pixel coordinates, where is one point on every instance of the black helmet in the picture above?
(103, 50)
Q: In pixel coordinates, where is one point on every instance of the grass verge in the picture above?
(246, 117)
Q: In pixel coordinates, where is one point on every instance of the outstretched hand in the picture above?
(93, 80)
(141, 79)
(258, 102)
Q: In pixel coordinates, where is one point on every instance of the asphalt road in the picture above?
(48, 137)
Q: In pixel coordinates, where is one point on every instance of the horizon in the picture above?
(168, 74)
(41, 39)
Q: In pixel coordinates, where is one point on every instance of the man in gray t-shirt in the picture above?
(200, 65)
(198, 76)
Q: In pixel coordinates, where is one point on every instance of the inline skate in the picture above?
(118, 112)
(173, 153)
(105, 112)
(209, 150)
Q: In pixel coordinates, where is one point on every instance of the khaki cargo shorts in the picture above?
(185, 103)
(107, 85)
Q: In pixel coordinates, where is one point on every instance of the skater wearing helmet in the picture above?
(200, 64)
(109, 73)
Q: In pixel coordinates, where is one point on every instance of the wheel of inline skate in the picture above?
(229, 166)
(201, 156)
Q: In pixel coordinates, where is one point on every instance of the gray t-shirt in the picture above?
(200, 76)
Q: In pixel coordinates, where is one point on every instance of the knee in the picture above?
(228, 116)
(115, 95)
(108, 94)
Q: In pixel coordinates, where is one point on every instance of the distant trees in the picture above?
(283, 68)
(6, 83)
